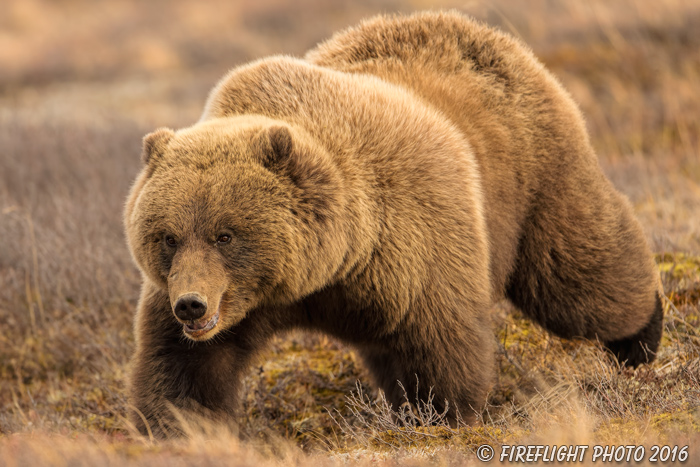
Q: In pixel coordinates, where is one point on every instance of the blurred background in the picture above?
(81, 82)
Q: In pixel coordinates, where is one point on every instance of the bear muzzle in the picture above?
(196, 287)
(191, 310)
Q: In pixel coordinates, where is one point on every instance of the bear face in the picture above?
(222, 244)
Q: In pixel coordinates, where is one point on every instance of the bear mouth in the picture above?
(198, 327)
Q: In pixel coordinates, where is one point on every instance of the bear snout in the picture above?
(190, 307)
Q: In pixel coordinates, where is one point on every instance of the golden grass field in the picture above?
(82, 81)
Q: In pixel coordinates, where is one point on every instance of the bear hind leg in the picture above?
(641, 347)
(594, 278)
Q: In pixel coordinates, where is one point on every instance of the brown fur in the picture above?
(386, 190)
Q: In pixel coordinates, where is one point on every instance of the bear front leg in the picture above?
(175, 378)
(450, 358)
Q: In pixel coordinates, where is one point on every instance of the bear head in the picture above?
(223, 214)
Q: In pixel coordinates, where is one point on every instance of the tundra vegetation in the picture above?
(81, 83)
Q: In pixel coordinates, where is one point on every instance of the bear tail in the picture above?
(641, 347)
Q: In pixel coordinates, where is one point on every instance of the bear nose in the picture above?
(189, 307)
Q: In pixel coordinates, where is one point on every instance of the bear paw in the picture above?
(641, 347)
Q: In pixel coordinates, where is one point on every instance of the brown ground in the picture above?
(81, 82)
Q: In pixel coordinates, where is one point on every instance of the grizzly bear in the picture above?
(386, 189)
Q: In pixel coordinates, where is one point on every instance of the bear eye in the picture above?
(170, 241)
(223, 238)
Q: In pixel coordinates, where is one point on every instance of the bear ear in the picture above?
(276, 144)
(154, 144)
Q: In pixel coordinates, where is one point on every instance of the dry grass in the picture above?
(81, 82)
